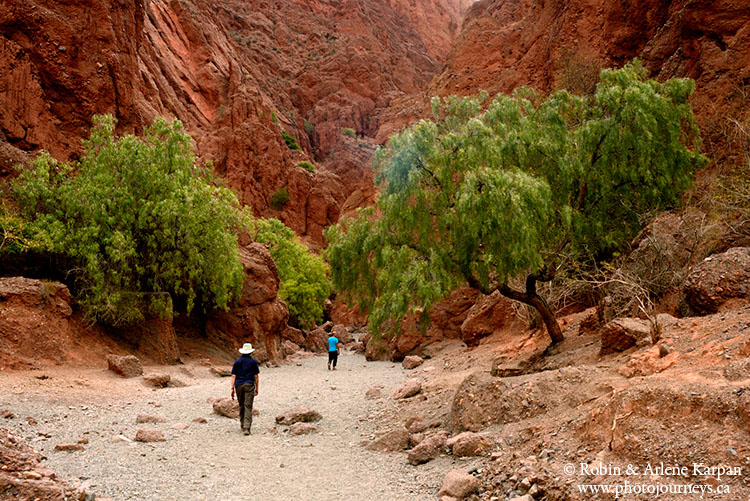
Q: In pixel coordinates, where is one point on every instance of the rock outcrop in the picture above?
(259, 316)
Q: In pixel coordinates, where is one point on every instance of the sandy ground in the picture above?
(214, 460)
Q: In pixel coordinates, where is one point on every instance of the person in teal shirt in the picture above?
(333, 352)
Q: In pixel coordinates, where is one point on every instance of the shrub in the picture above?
(305, 285)
(280, 198)
(274, 119)
(308, 166)
(290, 140)
(348, 132)
(140, 220)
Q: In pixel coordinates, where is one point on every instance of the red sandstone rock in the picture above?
(126, 366)
(259, 317)
(302, 429)
(623, 333)
(227, 407)
(148, 418)
(408, 389)
(391, 441)
(150, 436)
(718, 279)
(428, 449)
(300, 415)
(458, 484)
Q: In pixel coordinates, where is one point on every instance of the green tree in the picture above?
(485, 194)
(305, 283)
(138, 218)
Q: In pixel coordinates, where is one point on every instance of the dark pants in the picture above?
(333, 357)
(245, 396)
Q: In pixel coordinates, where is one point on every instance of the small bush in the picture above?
(274, 119)
(348, 132)
(310, 129)
(290, 140)
(280, 198)
(308, 166)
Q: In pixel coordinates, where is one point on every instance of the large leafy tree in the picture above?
(140, 220)
(489, 192)
(305, 285)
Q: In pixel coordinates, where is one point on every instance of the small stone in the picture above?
(121, 438)
(7, 413)
(150, 436)
(69, 447)
(148, 418)
(373, 393)
(200, 420)
(298, 415)
(33, 475)
(180, 426)
(534, 491)
(664, 350)
(83, 440)
(302, 429)
(157, 380)
(731, 450)
(411, 362)
(409, 389)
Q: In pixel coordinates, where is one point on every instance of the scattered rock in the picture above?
(343, 334)
(290, 348)
(411, 362)
(227, 407)
(391, 441)
(149, 418)
(200, 420)
(157, 380)
(300, 428)
(121, 438)
(428, 449)
(150, 436)
(298, 415)
(409, 389)
(458, 484)
(7, 413)
(623, 333)
(180, 426)
(69, 447)
(126, 366)
(83, 441)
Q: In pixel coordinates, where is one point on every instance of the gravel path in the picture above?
(214, 460)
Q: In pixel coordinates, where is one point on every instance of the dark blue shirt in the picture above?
(244, 369)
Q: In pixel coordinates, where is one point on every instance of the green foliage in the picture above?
(280, 198)
(349, 132)
(141, 220)
(308, 166)
(309, 128)
(290, 140)
(486, 192)
(274, 119)
(16, 234)
(305, 285)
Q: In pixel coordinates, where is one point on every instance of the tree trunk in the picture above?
(534, 300)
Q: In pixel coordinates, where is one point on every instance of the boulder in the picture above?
(718, 279)
(294, 335)
(376, 348)
(126, 366)
(391, 441)
(316, 341)
(221, 371)
(343, 334)
(159, 380)
(623, 333)
(290, 348)
(302, 429)
(149, 418)
(428, 449)
(458, 484)
(227, 407)
(153, 337)
(411, 362)
(298, 415)
(409, 389)
(259, 316)
(488, 314)
(149, 436)
(469, 444)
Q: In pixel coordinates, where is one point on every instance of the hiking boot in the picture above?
(246, 432)
(329, 367)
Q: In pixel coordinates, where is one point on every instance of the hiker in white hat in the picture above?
(245, 381)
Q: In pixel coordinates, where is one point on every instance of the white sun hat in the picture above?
(247, 348)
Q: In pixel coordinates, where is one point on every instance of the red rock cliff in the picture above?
(236, 73)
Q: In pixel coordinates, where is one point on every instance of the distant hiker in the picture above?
(333, 351)
(245, 379)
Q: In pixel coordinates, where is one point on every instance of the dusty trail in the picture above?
(214, 460)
